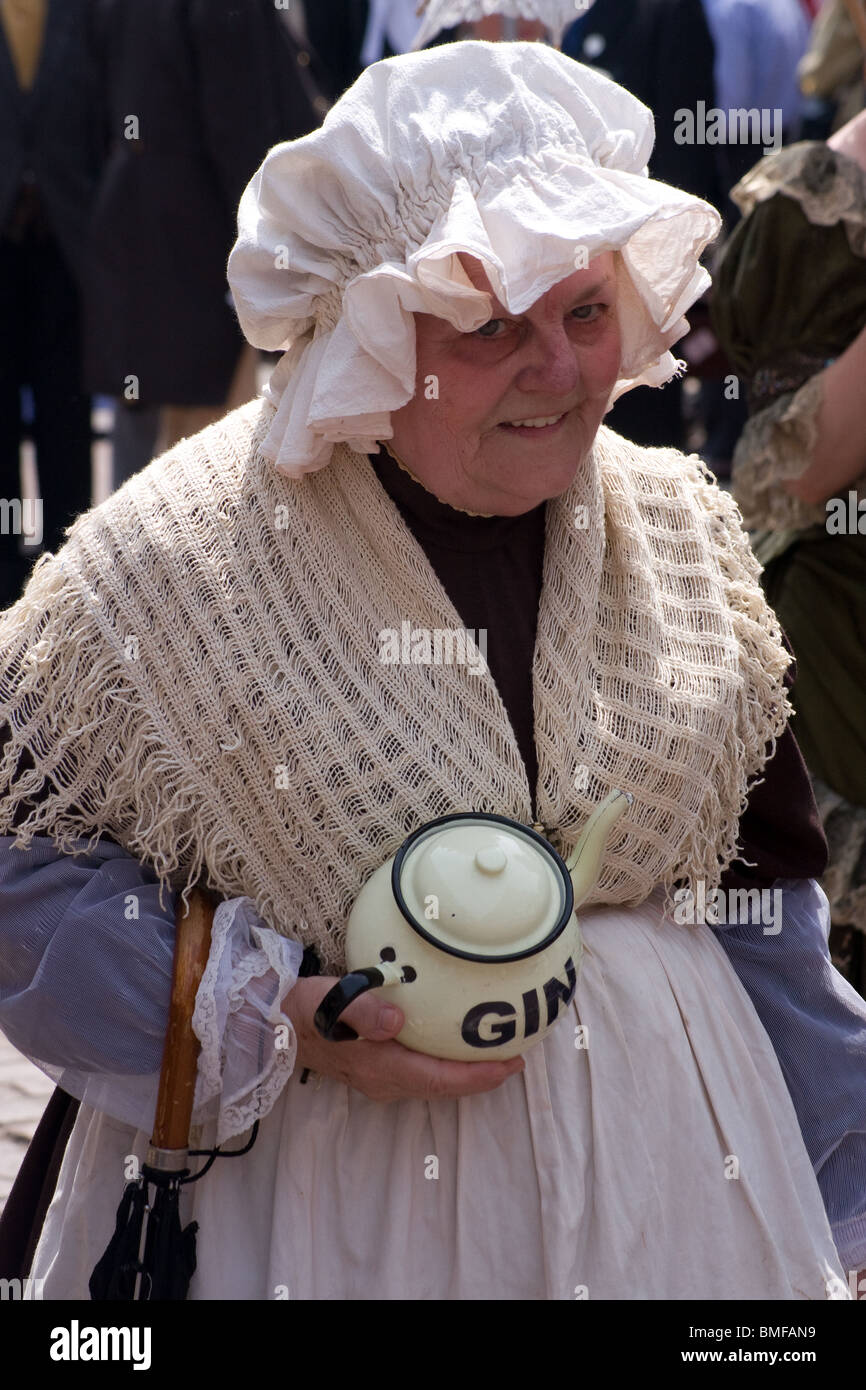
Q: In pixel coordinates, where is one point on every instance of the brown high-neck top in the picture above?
(492, 568)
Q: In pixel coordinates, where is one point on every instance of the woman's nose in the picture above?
(551, 363)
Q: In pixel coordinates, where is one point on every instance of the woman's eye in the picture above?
(586, 313)
(488, 329)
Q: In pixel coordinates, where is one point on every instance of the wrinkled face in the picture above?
(503, 418)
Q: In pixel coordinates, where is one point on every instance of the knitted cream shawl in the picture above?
(197, 674)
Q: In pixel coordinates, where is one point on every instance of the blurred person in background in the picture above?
(758, 44)
(831, 71)
(194, 97)
(391, 28)
(349, 35)
(49, 164)
(662, 51)
(675, 54)
(397, 26)
(790, 311)
(336, 30)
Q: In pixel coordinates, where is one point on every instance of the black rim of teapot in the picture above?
(560, 924)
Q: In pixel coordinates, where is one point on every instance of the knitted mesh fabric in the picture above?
(196, 673)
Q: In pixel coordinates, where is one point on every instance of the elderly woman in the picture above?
(467, 264)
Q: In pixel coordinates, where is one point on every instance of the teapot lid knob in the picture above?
(491, 859)
(481, 885)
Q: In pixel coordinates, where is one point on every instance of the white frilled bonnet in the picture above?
(511, 152)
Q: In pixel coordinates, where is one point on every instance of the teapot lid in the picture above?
(483, 887)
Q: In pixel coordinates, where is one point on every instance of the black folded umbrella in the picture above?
(150, 1256)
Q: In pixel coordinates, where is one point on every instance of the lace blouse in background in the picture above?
(790, 297)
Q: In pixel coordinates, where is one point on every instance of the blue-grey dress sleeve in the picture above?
(85, 957)
(85, 971)
(816, 1022)
(86, 954)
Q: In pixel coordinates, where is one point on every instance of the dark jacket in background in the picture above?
(50, 151)
(662, 51)
(336, 30)
(50, 137)
(212, 87)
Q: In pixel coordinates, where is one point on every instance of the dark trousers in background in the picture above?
(40, 347)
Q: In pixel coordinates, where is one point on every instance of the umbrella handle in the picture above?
(180, 1054)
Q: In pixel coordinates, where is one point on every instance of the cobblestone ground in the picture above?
(24, 1094)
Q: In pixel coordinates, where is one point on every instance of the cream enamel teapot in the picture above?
(471, 930)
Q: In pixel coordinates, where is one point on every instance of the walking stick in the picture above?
(149, 1256)
(180, 1055)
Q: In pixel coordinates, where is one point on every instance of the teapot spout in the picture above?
(584, 862)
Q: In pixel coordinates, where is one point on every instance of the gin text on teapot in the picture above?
(499, 1019)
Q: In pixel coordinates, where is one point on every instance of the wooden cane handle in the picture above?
(180, 1054)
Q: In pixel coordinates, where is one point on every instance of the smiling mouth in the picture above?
(536, 427)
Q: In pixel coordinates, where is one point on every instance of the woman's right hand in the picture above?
(376, 1065)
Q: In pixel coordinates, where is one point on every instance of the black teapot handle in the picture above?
(344, 992)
